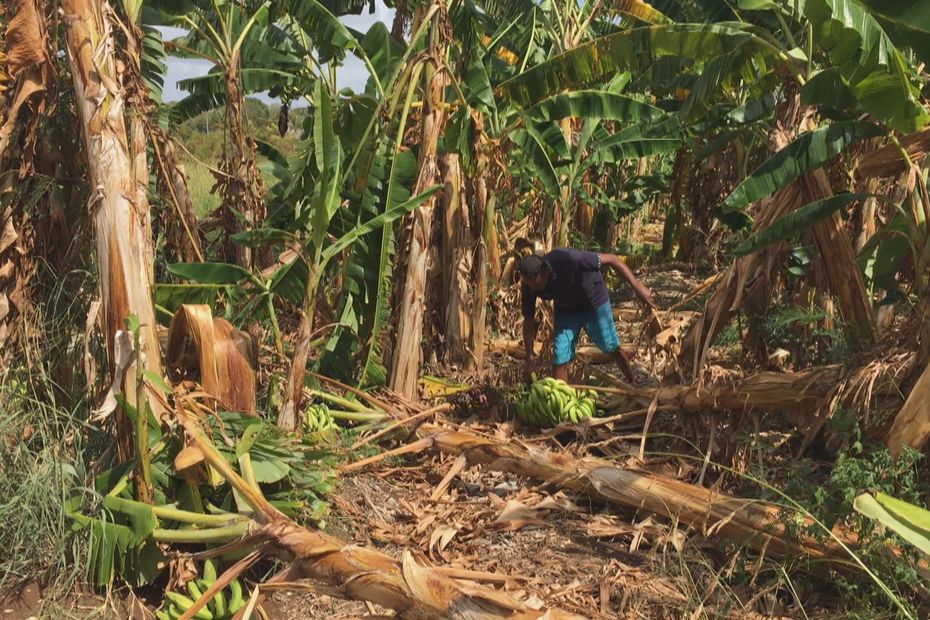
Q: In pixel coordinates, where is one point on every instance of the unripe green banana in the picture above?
(236, 601)
(209, 572)
(185, 603)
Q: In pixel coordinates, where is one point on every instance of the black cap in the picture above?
(532, 265)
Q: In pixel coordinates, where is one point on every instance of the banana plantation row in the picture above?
(781, 144)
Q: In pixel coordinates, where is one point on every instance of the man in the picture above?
(572, 278)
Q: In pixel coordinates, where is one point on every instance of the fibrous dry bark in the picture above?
(119, 207)
(408, 354)
(456, 261)
(887, 162)
(911, 426)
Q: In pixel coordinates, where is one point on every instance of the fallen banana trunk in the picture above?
(754, 523)
(354, 572)
(800, 393)
(728, 391)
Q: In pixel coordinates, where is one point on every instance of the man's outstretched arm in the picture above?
(529, 341)
(613, 261)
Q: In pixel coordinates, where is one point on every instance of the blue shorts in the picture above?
(598, 323)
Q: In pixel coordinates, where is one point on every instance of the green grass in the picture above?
(200, 183)
(40, 456)
(47, 443)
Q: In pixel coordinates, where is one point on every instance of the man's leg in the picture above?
(623, 361)
(564, 342)
(603, 331)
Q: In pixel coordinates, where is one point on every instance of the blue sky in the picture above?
(351, 75)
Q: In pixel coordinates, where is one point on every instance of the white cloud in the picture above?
(353, 74)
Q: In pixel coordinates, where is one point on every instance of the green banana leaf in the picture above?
(154, 62)
(530, 143)
(328, 155)
(798, 222)
(636, 50)
(907, 13)
(896, 516)
(881, 257)
(806, 152)
(373, 370)
(210, 273)
(378, 222)
(753, 110)
(595, 104)
(615, 149)
(383, 50)
(871, 65)
(908, 23)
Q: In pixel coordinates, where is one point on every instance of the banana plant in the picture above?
(326, 172)
(240, 40)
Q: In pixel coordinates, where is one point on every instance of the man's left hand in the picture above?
(645, 296)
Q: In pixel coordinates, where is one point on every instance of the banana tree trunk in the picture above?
(182, 232)
(457, 261)
(484, 256)
(408, 354)
(911, 426)
(844, 278)
(242, 185)
(747, 277)
(119, 206)
(290, 411)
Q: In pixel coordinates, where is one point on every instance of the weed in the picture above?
(861, 468)
(801, 331)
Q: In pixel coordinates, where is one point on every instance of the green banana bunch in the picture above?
(317, 419)
(219, 607)
(550, 402)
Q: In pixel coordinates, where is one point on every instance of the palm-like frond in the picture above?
(635, 49)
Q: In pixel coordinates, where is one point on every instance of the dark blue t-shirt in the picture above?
(575, 283)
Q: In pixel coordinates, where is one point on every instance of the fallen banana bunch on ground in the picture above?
(550, 402)
(318, 419)
(332, 412)
(219, 608)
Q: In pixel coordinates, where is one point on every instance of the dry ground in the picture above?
(539, 544)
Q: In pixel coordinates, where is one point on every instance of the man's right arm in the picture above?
(529, 337)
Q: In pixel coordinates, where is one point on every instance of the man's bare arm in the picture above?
(529, 337)
(613, 261)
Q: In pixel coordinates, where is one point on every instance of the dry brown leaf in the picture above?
(25, 41)
(517, 515)
(187, 458)
(440, 539)
(559, 502)
(123, 355)
(90, 364)
(220, 352)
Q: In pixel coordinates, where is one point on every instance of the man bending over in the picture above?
(573, 279)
